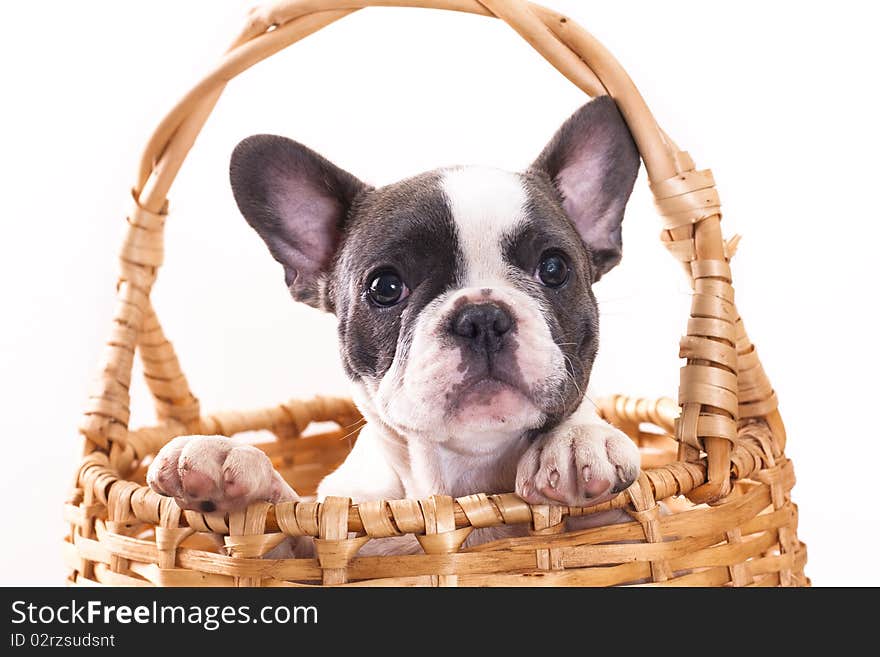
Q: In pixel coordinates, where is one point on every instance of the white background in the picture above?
(778, 98)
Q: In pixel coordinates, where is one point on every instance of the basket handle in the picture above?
(716, 391)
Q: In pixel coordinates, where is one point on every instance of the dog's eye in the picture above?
(552, 270)
(387, 288)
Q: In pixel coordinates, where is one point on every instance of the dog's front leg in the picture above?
(582, 462)
(216, 474)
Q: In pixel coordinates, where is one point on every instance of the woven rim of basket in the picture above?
(727, 426)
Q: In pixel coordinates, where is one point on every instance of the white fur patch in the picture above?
(487, 205)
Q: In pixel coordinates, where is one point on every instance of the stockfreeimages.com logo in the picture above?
(210, 617)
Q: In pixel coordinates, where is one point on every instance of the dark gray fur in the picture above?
(408, 226)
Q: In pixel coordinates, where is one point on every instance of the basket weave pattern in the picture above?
(716, 458)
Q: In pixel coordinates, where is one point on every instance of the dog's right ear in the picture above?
(593, 161)
(298, 202)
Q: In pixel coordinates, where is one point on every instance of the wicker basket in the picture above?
(716, 458)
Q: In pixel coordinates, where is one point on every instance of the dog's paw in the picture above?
(214, 473)
(578, 465)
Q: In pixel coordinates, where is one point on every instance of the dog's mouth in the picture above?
(482, 391)
(489, 398)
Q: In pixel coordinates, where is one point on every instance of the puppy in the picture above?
(467, 323)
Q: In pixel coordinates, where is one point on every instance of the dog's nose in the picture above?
(482, 325)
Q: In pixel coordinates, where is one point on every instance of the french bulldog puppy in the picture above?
(467, 323)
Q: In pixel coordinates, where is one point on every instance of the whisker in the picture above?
(360, 424)
(360, 420)
(590, 399)
(602, 302)
(618, 313)
(569, 374)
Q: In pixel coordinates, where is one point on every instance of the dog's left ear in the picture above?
(593, 161)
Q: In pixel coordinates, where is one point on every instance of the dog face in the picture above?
(463, 295)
